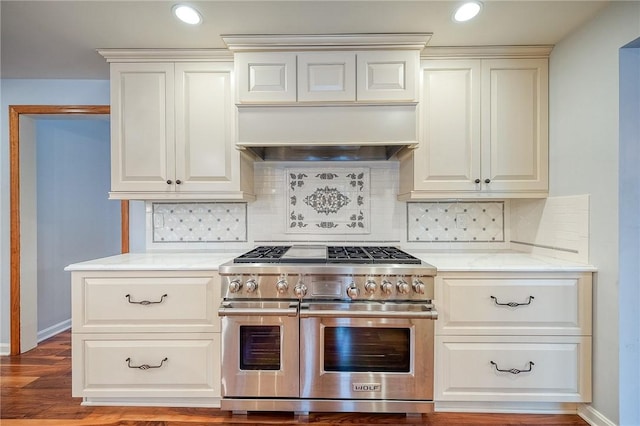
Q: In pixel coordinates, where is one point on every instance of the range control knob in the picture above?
(300, 290)
(403, 286)
(370, 286)
(418, 286)
(251, 285)
(353, 291)
(235, 285)
(282, 286)
(386, 287)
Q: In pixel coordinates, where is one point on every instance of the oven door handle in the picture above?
(226, 310)
(429, 313)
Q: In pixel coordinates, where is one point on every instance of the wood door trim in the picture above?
(15, 111)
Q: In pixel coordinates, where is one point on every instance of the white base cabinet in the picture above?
(146, 338)
(146, 365)
(513, 337)
(502, 368)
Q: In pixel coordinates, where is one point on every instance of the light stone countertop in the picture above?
(451, 261)
(499, 261)
(153, 261)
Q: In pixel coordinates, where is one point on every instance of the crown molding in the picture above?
(272, 42)
(174, 55)
(449, 52)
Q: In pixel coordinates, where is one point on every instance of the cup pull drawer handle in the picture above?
(513, 370)
(145, 302)
(512, 304)
(145, 366)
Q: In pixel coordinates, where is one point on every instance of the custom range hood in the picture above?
(327, 97)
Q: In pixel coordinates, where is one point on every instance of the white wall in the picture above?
(584, 160)
(29, 92)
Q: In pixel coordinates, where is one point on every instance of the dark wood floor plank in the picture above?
(35, 390)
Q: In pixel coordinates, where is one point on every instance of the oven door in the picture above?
(367, 351)
(259, 349)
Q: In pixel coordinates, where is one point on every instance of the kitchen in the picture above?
(577, 55)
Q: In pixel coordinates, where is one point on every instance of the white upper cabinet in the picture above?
(266, 77)
(483, 130)
(326, 76)
(515, 124)
(142, 126)
(384, 76)
(448, 157)
(173, 132)
(317, 68)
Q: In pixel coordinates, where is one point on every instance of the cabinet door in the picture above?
(266, 77)
(448, 157)
(387, 76)
(206, 159)
(142, 127)
(515, 124)
(327, 76)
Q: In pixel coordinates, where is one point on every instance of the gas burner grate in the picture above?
(336, 254)
(263, 254)
(391, 255)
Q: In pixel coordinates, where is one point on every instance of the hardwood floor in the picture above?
(36, 390)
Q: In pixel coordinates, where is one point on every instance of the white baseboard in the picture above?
(5, 349)
(53, 330)
(152, 402)
(507, 407)
(593, 416)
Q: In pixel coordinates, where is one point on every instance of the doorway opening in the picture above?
(19, 227)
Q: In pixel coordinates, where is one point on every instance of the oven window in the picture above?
(361, 349)
(259, 347)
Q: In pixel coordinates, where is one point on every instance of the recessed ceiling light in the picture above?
(187, 14)
(467, 11)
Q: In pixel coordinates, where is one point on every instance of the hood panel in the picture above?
(327, 132)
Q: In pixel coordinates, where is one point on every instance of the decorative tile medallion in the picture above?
(199, 222)
(328, 202)
(455, 222)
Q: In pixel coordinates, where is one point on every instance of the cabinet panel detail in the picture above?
(142, 126)
(266, 77)
(109, 304)
(507, 305)
(326, 76)
(386, 75)
(515, 125)
(205, 155)
(160, 366)
(541, 369)
(448, 157)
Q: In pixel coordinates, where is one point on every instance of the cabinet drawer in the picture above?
(151, 302)
(560, 369)
(508, 304)
(162, 366)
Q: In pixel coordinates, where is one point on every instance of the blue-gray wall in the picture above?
(76, 221)
(630, 234)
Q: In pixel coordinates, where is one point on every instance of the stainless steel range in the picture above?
(317, 328)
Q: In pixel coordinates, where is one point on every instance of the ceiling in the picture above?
(58, 39)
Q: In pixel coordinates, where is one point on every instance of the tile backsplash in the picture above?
(327, 202)
(456, 221)
(199, 222)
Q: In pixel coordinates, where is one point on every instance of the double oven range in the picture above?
(317, 328)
